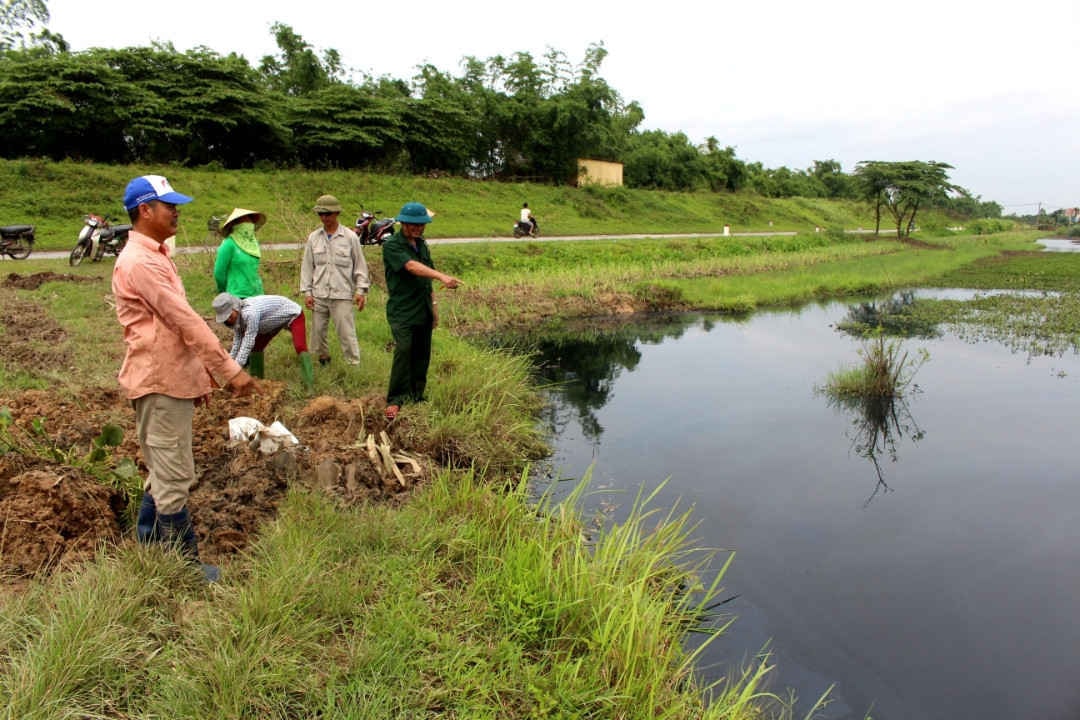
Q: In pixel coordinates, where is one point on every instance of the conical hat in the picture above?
(238, 213)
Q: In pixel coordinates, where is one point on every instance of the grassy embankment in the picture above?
(55, 196)
(462, 603)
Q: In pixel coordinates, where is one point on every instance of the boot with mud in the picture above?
(307, 371)
(177, 530)
(255, 364)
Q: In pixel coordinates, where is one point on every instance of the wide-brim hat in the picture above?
(327, 204)
(224, 304)
(414, 213)
(237, 214)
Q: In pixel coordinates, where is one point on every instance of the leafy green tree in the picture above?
(830, 175)
(662, 161)
(200, 107)
(724, 170)
(344, 126)
(18, 21)
(69, 106)
(903, 187)
(138, 104)
(442, 125)
(297, 70)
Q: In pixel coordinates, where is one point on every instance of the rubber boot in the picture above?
(146, 528)
(255, 364)
(307, 372)
(177, 530)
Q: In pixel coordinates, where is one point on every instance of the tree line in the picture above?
(508, 117)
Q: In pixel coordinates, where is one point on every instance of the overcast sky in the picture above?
(988, 87)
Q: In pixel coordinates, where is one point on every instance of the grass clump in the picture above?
(466, 602)
(886, 370)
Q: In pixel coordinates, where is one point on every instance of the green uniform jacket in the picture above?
(236, 272)
(409, 301)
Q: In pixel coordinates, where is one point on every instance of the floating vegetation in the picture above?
(895, 317)
(1037, 325)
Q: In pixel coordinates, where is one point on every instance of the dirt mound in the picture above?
(344, 451)
(34, 281)
(52, 515)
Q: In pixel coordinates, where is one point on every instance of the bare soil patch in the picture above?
(36, 280)
(29, 337)
(53, 514)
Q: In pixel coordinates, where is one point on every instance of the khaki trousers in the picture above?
(163, 425)
(341, 312)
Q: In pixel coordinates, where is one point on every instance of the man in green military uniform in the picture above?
(411, 308)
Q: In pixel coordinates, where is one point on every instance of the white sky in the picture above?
(987, 87)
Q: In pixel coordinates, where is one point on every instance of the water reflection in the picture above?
(831, 563)
(894, 317)
(585, 363)
(876, 426)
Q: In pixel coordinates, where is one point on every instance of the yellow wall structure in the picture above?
(599, 172)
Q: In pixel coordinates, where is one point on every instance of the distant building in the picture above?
(599, 172)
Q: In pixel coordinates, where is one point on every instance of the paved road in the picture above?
(58, 254)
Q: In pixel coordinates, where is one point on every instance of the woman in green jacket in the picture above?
(236, 269)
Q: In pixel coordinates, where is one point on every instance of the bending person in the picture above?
(255, 321)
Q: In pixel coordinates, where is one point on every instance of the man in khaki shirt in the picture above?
(334, 277)
(172, 359)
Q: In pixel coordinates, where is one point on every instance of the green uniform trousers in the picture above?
(412, 356)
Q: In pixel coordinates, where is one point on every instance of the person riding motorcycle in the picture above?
(527, 218)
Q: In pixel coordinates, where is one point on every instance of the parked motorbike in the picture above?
(521, 229)
(16, 241)
(371, 230)
(97, 237)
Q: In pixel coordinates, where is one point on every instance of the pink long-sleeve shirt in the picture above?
(170, 348)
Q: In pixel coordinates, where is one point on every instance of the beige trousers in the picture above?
(163, 425)
(341, 313)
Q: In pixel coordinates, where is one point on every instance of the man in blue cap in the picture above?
(411, 308)
(172, 360)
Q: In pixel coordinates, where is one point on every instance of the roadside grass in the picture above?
(54, 196)
(465, 602)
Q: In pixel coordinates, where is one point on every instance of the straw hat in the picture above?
(237, 214)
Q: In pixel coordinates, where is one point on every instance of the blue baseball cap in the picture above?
(151, 187)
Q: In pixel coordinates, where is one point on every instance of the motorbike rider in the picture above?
(528, 219)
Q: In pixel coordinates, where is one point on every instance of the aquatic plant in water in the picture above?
(895, 316)
(874, 393)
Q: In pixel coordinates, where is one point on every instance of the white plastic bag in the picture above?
(267, 439)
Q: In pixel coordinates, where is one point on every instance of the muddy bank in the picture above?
(54, 511)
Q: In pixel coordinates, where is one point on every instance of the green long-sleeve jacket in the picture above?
(236, 272)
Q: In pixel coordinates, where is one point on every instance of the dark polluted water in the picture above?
(921, 559)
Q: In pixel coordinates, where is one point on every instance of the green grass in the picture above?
(468, 601)
(1023, 271)
(886, 370)
(463, 603)
(55, 195)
